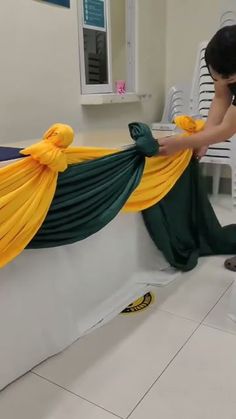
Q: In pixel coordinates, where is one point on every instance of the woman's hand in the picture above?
(171, 145)
(200, 152)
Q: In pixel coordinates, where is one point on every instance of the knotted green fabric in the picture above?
(89, 195)
(142, 135)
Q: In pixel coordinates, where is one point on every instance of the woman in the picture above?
(220, 58)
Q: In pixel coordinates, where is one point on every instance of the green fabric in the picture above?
(89, 195)
(142, 135)
(183, 225)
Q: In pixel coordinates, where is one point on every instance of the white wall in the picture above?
(188, 23)
(118, 39)
(40, 81)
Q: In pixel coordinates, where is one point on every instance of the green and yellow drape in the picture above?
(59, 194)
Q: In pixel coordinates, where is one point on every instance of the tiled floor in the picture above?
(174, 361)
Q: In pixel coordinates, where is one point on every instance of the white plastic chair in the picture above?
(175, 104)
(228, 17)
(201, 97)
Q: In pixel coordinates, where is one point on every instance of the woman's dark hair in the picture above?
(221, 51)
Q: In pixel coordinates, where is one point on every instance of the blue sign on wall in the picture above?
(65, 3)
(94, 13)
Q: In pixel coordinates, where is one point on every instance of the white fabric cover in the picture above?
(51, 297)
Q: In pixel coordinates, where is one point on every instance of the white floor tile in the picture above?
(34, 398)
(196, 292)
(199, 384)
(219, 317)
(115, 365)
(225, 213)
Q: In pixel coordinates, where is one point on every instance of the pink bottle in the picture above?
(120, 87)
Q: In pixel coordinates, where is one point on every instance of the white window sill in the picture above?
(108, 98)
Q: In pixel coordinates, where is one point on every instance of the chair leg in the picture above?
(234, 187)
(216, 179)
(204, 169)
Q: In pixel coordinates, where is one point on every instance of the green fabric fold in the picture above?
(183, 225)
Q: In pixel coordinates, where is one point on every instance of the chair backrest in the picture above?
(201, 96)
(93, 67)
(175, 103)
(227, 13)
(203, 90)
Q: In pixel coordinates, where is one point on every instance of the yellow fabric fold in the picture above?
(27, 187)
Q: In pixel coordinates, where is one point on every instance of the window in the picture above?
(106, 41)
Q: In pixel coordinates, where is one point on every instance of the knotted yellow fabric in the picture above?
(188, 124)
(51, 151)
(27, 187)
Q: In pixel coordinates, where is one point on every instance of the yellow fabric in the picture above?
(50, 151)
(27, 187)
(188, 124)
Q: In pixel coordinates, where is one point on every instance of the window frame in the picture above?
(95, 88)
(131, 49)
